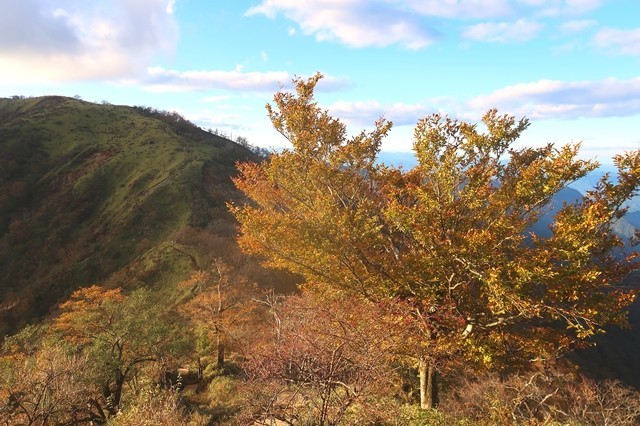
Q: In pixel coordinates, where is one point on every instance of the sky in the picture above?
(571, 66)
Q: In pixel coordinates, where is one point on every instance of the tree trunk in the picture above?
(113, 396)
(428, 384)
(200, 376)
(220, 352)
(117, 394)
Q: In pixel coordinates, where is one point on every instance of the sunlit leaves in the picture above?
(453, 231)
(222, 304)
(117, 334)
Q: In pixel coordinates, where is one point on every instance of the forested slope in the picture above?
(102, 193)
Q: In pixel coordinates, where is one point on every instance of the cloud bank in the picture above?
(413, 24)
(552, 99)
(161, 80)
(76, 39)
(625, 42)
(503, 32)
(355, 23)
(365, 113)
(539, 100)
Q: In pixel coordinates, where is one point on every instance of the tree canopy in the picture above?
(451, 238)
(118, 334)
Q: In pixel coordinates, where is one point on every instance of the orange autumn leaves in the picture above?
(454, 231)
(223, 304)
(87, 312)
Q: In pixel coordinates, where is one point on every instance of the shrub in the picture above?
(549, 397)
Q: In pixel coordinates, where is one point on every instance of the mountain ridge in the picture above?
(81, 179)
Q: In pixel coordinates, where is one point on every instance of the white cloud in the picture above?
(578, 26)
(535, 3)
(161, 80)
(523, 8)
(26, 25)
(626, 42)
(171, 6)
(540, 100)
(216, 120)
(583, 5)
(563, 7)
(365, 113)
(411, 23)
(460, 9)
(503, 32)
(82, 40)
(575, 7)
(218, 98)
(551, 99)
(355, 23)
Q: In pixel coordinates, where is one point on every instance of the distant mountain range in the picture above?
(625, 227)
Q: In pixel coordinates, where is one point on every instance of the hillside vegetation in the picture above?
(135, 291)
(92, 191)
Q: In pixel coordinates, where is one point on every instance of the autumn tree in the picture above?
(450, 237)
(43, 383)
(325, 355)
(222, 303)
(118, 334)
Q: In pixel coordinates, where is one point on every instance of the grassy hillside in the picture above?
(89, 192)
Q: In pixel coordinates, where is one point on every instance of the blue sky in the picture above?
(571, 66)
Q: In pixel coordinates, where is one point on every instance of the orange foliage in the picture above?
(223, 304)
(86, 313)
(451, 235)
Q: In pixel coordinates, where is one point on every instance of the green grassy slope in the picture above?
(88, 191)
